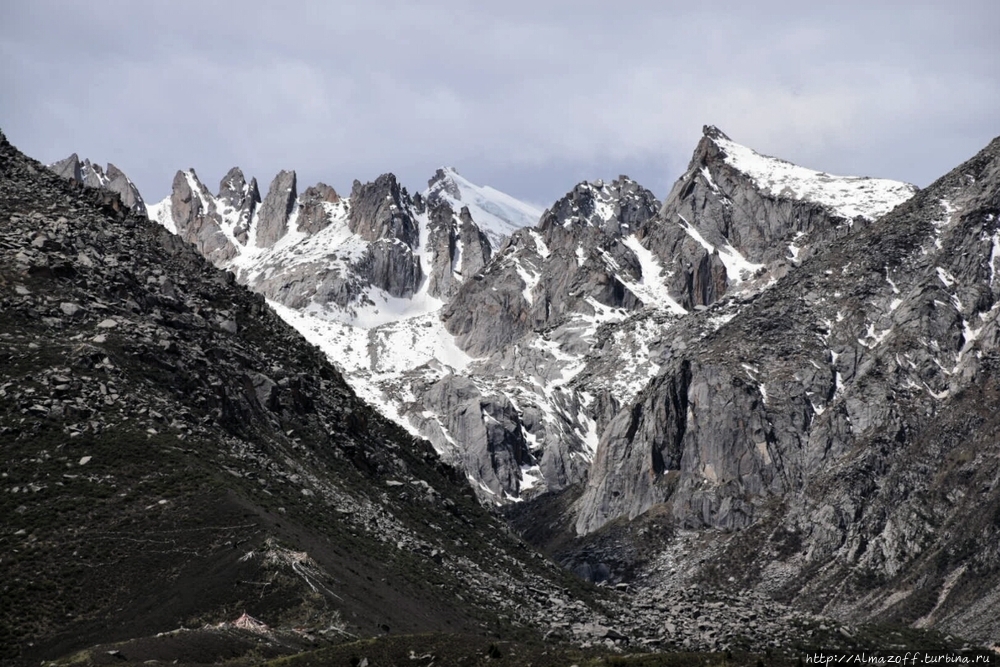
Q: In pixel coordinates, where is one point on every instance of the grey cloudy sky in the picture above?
(527, 96)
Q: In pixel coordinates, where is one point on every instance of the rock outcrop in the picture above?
(276, 209)
(314, 215)
(243, 197)
(195, 215)
(497, 215)
(576, 256)
(458, 249)
(93, 176)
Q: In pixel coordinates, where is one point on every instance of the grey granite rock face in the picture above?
(441, 241)
(731, 213)
(276, 208)
(235, 192)
(826, 411)
(196, 220)
(389, 261)
(119, 183)
(575, 255)
(441, 181)
(488, 426)
(314, 217)
(93, 176)
(458, 249)
(391, 266)
(69, 168)
(476, 249)
(379, 210)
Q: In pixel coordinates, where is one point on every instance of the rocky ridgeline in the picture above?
(91, 175)
(832, 418)
(566, 319)
(157, 410)
(343, 252)
(571, 318)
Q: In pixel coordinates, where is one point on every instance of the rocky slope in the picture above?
(186, 479)
(175, 456)
(835, 430)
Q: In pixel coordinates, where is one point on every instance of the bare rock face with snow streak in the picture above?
(574, 258)
(196, 220)
(276, 209)
(835, 414)
(488, 426)
(497, 214)
(314, 215)
(379, 210)
(243, 197)
(735, 215)
(381, 214)
(93, 176)
(459, 249)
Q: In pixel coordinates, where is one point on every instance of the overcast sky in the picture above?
(528, 96)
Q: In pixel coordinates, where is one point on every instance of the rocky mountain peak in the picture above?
(68, 168)
(315, 213)
(497, 214)
(848, 197)
(860, 364)
(321, 192)
(444, 180)
(381, 210)
(456, 248)
(243, 197)
(737, 217)
(574, 261)
(93, 176)
(276, 209)
(713, 133)
(617, 208)
(233, 186)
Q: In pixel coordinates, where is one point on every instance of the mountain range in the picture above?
(773, 386)
(483, 325)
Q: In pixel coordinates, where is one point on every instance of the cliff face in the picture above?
(836, 407)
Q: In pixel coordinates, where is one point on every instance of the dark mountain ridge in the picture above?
(175, 455)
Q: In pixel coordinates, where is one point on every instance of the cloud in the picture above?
(527, 96)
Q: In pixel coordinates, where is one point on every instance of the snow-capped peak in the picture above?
(498, 214)
(846, 196)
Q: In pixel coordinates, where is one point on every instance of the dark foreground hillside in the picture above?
(183, 479)
(174, 456)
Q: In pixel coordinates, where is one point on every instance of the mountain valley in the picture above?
(755, 416)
